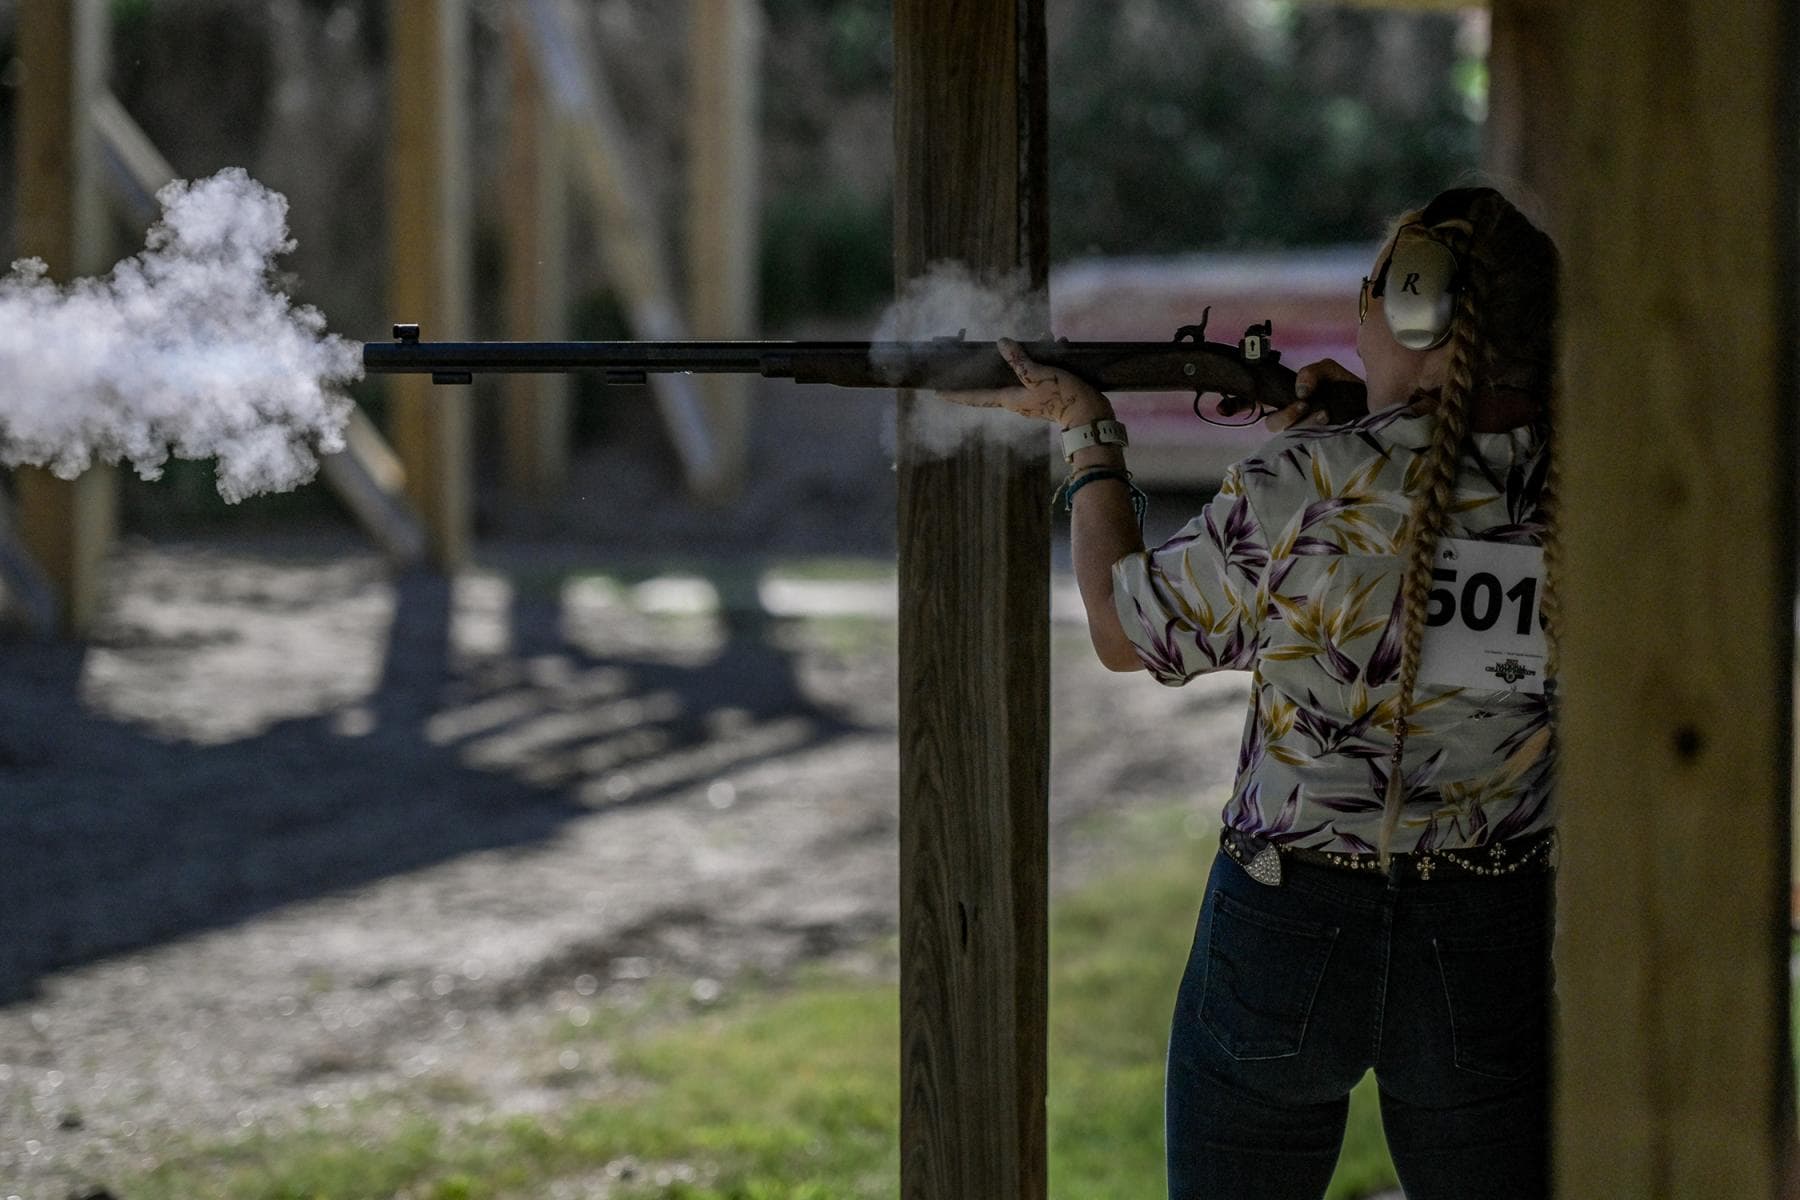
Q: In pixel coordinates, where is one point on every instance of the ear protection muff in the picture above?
(1418, 294)
(1421, 277)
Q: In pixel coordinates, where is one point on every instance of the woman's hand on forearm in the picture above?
(1103, 527)
(1102, 530)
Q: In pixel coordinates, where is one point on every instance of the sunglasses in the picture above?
(1372, 288)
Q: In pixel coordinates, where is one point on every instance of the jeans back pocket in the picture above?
(1262, 976)
(1498, 991)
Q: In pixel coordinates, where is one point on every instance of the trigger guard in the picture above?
(1230, 398)
(1225, 398)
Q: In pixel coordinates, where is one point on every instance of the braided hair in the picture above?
(1502, 336)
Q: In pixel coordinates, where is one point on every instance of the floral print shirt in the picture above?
(1293, 574)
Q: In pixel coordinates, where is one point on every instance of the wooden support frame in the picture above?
(969, 124)
(535, 421)
(631, 239)
(66, 526)
(134, 168)
(428, 281)
(1678, 221)
(25, 591)
(724, 39)
(369, 480)
(62, 44)
(535, 216)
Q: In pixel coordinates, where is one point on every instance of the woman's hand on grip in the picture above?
(1307, 380)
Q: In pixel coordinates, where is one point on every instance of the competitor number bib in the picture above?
(1482, 624)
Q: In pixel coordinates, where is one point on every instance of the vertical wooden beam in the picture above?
(1521, 140)
(1678, 218)
(723, 209)
(969, 127)
(61, 217)
(429, 243)
(66, 526)
(536, 415)
(25, 589)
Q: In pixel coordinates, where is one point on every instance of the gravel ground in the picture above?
(292, 833)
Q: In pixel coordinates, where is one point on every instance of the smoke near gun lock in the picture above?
(187, 349)
(949, 300)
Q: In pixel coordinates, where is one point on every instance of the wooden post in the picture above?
(428, 225)
(969, 97)
(722, 209)
(66, 526)
(1520, 144)
(25, 589)
(536, 461)
(1678, 222)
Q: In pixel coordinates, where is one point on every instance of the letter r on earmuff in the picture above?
(1420, 309)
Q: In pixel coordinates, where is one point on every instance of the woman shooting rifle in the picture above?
(1384, 896)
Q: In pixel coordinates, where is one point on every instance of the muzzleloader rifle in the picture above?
(1248, 377)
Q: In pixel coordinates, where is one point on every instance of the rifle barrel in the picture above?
(404, 357)
(941, 364)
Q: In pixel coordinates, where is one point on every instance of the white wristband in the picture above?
(1104, 432)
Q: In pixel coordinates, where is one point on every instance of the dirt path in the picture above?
(292, 834)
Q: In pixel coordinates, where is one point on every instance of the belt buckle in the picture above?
(1265, 866)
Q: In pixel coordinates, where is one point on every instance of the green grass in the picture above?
(793, 1095)
(1117, 949)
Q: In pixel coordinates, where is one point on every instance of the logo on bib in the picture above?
(1511, 671)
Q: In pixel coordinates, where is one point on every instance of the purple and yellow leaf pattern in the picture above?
(1292, 573)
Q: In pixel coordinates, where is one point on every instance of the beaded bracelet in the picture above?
(1140, 503)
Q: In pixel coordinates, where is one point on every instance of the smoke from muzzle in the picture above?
(189, 348)
(948, 300)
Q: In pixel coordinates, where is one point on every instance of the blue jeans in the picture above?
(1292, 992)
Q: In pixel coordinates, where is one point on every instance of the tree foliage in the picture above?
(1175, 125)
(1188, 125)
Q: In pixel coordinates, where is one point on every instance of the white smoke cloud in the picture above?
(947, 300)
(189, 348)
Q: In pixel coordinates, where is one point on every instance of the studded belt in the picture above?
(1262, 859)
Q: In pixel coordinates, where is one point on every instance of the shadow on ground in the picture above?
(118, 838)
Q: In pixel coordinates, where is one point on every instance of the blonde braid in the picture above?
(1549, 509)
(1431, 507)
